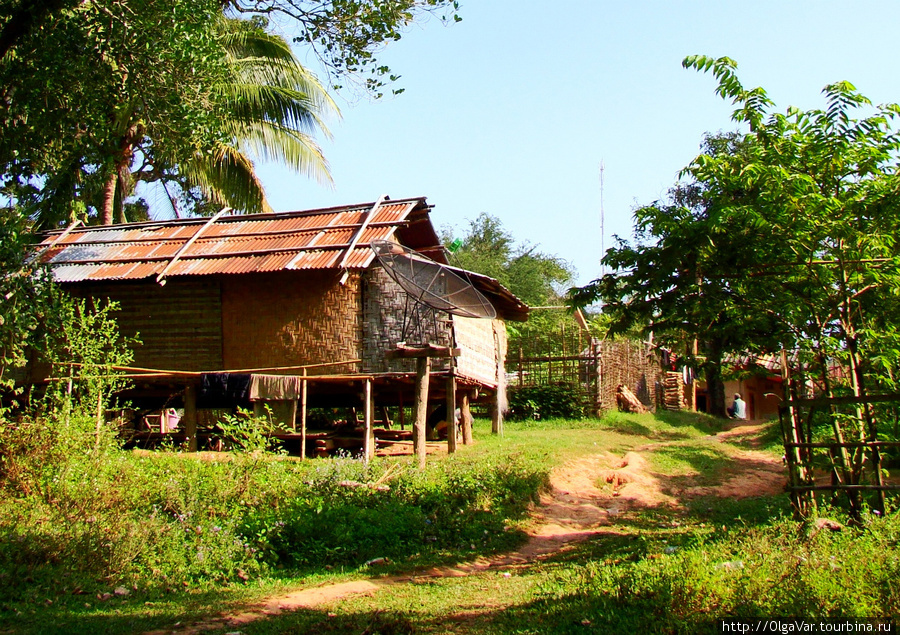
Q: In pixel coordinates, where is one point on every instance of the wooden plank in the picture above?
(190, 416)
(466, 413)
(370, 214)
(303, 401)
(185, 246)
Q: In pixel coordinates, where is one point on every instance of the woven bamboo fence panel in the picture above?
(592, 368)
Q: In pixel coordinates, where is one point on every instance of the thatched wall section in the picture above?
(384, 306)
(179, 324)
(290, 318)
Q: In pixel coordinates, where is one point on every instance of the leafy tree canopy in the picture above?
(487, 248)
(347, 35)
(780, 237)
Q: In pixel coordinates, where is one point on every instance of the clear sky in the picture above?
(512, 110)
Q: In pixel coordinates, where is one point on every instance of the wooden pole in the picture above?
(466, 419)
(303, 405)
(451, 413)
(190, 416)
(369, 440)
(496, 415)
(423, 370)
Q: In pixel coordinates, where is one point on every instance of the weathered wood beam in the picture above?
(423, 370)
(466, 414)
(190, 416)
(418, 352)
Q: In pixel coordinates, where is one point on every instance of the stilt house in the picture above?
(295, 295)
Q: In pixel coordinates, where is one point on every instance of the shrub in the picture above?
(544, 402)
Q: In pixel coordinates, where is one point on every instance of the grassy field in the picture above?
(151, 542)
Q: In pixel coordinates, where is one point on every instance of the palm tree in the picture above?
(271, 106)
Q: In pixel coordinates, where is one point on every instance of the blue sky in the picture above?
(511, 111)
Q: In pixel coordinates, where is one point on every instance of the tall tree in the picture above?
(83, 85)
(813, 196)
(173, 93)
(682, 278)
(271, 107)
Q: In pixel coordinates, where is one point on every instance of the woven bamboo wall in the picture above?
(384, 306)
(179, 324)
(290, 318)
(631, 363)
(478, 358)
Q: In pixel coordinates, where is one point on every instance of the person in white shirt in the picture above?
(739, 409)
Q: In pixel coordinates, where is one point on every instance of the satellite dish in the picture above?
(431, 283)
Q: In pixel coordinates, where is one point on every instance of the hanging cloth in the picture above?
(274, 387)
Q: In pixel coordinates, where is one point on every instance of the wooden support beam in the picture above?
(190, 416)
(423, 370)
(466, 414)
(368, 410)
(496, 415)
(187, 245)
(303, 408)
(451, 414)
(416, 352)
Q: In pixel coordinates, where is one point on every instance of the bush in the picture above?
(544, 402)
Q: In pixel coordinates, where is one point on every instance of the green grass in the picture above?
(665, 569)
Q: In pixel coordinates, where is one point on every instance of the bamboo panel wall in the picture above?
(289, 319)
(478, 359)
(632, 363)
(179, 324)
(384, 307)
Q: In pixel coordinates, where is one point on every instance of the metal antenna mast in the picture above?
(602, 219)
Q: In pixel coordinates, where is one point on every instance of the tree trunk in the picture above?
(109, 198)
(715, 387)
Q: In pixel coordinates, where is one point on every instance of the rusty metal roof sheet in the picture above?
(332, 238)
(315, 239)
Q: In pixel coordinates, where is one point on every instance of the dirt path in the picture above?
(574, 509)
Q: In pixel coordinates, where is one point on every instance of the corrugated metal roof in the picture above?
(315, 239)
(303, 240)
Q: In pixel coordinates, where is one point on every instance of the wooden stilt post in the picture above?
(466, 413)
(401, 415)
(190, 416)
(496, 415)
(423, 370)
(369, 440)
(303, 402)
(452, 428)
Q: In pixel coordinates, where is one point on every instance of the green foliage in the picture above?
(347, 35)
(489, 249)
(779, 238)
(544, 402)
(164, 519)
(86, 86)
(28, 302)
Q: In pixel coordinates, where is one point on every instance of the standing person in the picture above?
(738, 409)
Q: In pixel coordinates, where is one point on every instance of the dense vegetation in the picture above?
(118, 541)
